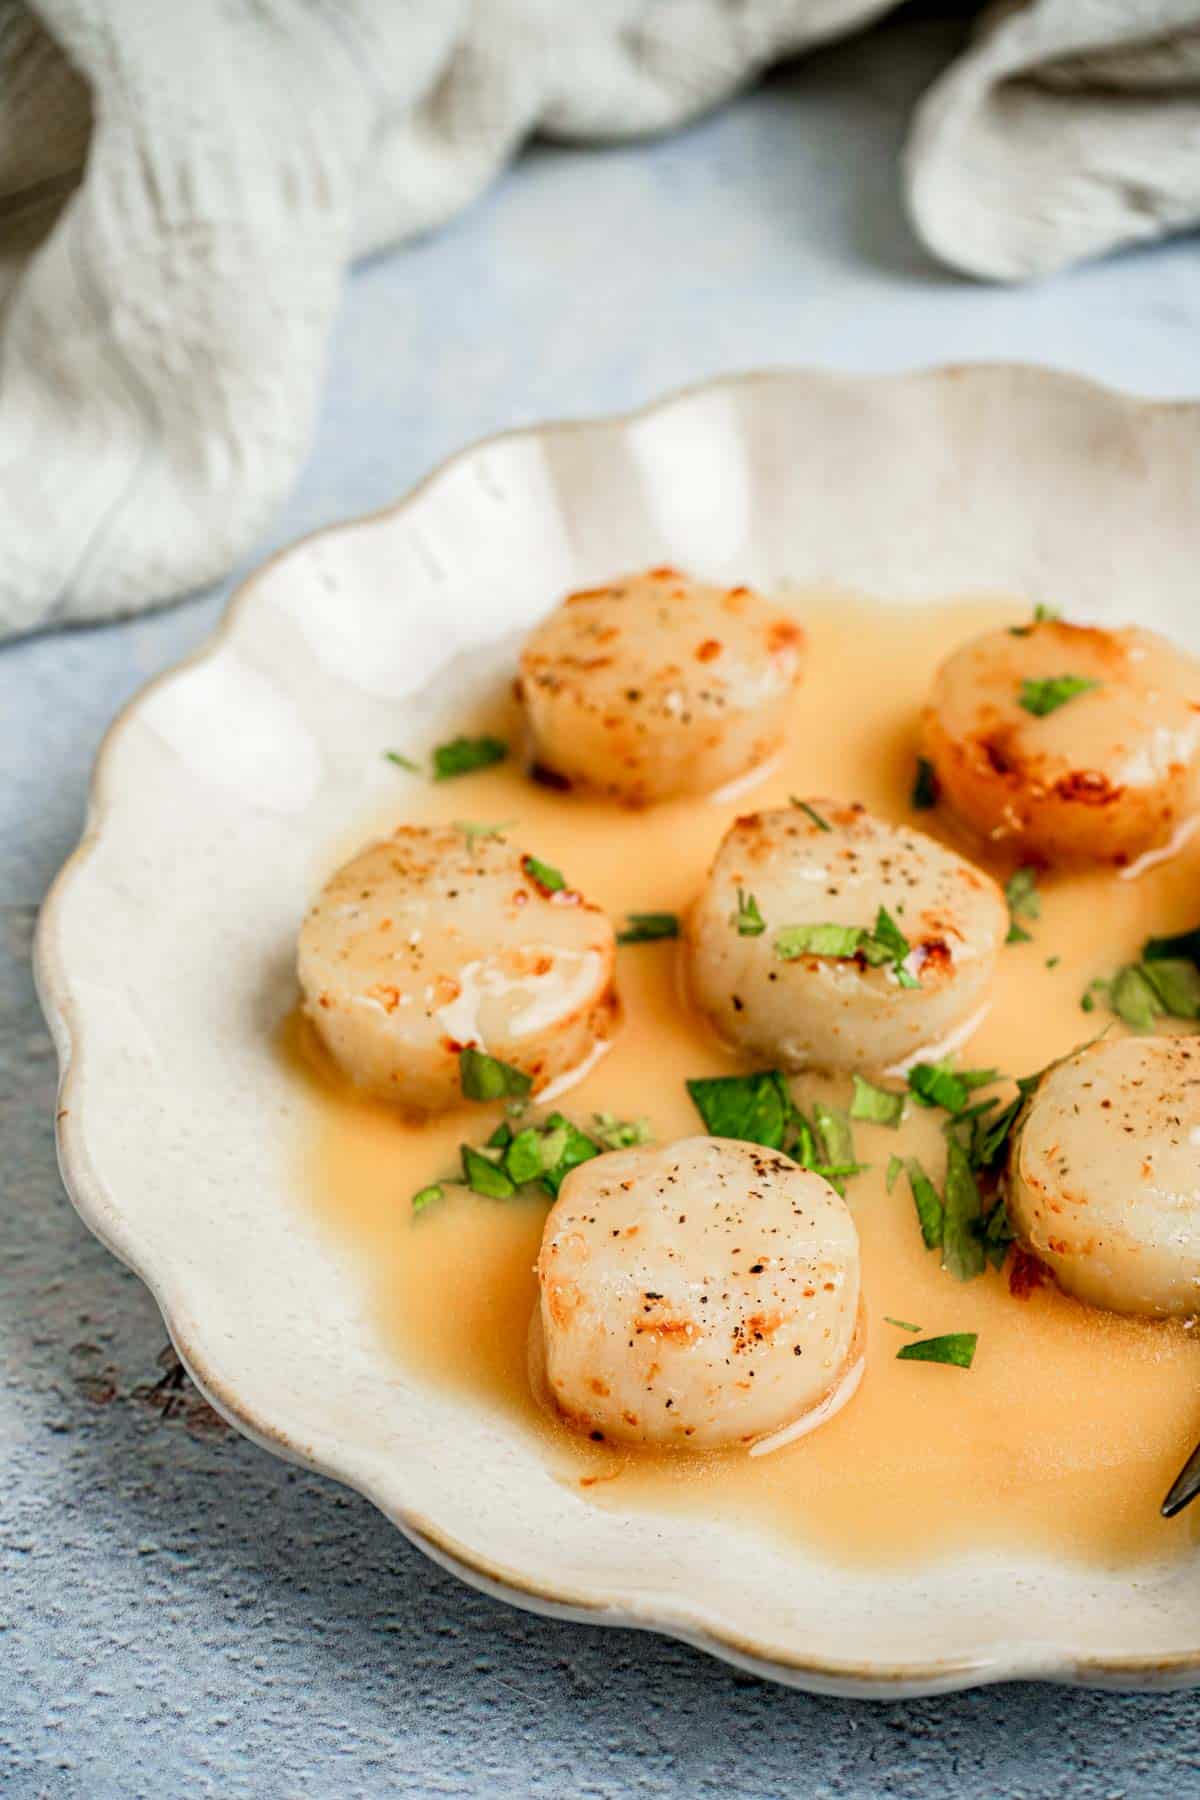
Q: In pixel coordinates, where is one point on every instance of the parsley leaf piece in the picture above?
(835, 1139)
(403, 762)
(1176, 985)
(1184, 946)
(501, 1138)
(901, 1324)
(563, 1149)
(889, 938)
(544, 875)
(1040, 697)
(882, 1106)
(1024, 902)
(962, 1248)
(484, 1077)
(462, 755)
(621, 1134)
(956, 1348)
(820, 823)
(838, 941)
(523, 1157)
(472, 830)
(940, 1084)
(755, 1108)
(926, 787)
(1052, 962)
(1042, 615)
(747, 918)
(427, 1196)
(647, 928)
(1132, 998)
(484, 1177)
(895, 1169)
(931, 1214)
(998, 1234)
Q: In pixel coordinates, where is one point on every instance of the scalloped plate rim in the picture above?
(101, 1213)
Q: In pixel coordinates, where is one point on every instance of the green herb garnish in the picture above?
(621, 1134)
(926, 787)
(483, 1176)
(1024, 902)
(403, 762)
(1042, 615)
(648, 928)
(1040, 697)
(884, 943)
(962, 1247)
(956, 1348)
(931, 1214)
(747, 919)
(940, 1084)
(472, 831)
(463, 755)
(895, 1169)
(900, 1324)
(838, 941)
(484, 1077)
(427, 1196)
(756, 1108)
(544, 875)
(882, 1106)
(820, 823)
(1184, 946)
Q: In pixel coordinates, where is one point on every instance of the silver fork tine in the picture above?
(1185, 1486)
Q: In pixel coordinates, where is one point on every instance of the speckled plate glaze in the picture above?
(165, 955)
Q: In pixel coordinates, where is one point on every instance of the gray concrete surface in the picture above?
(179, 1613)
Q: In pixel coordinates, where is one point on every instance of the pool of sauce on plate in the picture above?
(1069, 1427)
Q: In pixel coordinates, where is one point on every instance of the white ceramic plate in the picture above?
(165, 952)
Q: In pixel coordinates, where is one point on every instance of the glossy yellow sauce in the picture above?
(1071, 1424)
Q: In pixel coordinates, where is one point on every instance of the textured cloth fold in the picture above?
(183, 186)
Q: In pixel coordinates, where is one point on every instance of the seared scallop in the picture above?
(1069, 742)
(775, 984)
(658, 686)
(430, 941)
(699, 1295)
(1104, 1175)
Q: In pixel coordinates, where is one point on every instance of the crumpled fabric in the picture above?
(183, 185)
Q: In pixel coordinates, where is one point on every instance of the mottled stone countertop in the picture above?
(181, 1614)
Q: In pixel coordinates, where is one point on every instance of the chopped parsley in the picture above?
(544, 875)
(1040, 697)
(941, 1084)
(747, 918)
(463, 755)
(484, 1077)
(620, 1134)
(427, 1196)
(472, 831)
(926, 788)
(759, 1109)
(538, 1157)
(931, 1214)
(963, 1252)
(883, 944)
(895, 1169)
(485, 1176)
(756, 1108)
(956, 1348)
(1042, 615)
(403, 762)
(882, 1106)
(900, 1324)
(648, 928)
(1024, 902)
(1165, 982)
(820, 823)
